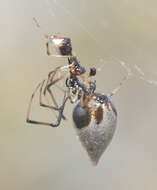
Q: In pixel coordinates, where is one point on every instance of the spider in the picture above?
(94, 114)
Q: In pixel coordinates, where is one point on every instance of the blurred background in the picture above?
(117, 37)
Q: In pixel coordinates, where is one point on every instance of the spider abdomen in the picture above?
(95, 124)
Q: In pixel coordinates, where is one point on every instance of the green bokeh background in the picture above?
(104, 33)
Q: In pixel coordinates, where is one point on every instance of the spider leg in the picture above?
(41, 101)
(51, 82)
(60, 109)
(50, 92)
(46, 105)
(56, 107)
(30, 102)
(50, 76)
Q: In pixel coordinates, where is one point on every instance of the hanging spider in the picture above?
(94, 115)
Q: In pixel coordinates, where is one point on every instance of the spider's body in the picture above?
(94, 114)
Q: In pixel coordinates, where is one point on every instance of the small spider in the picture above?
(94, 114)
